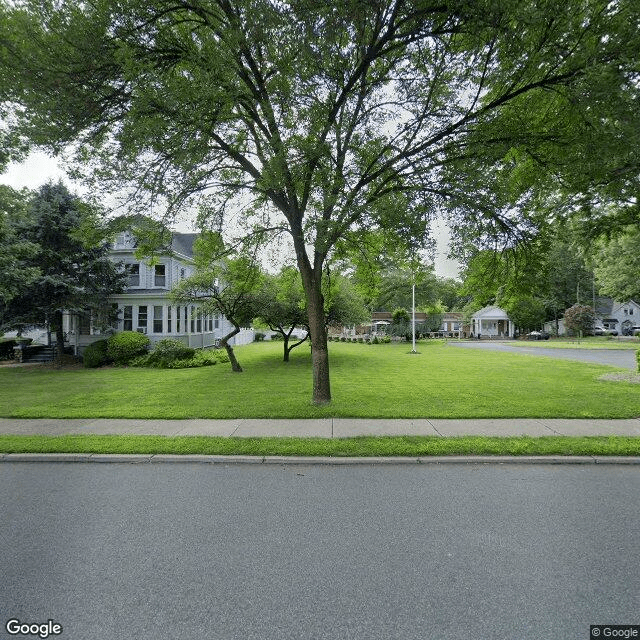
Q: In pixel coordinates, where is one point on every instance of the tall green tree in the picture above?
(617, 265)
(68, 274)
(18, 267)
(321, 120)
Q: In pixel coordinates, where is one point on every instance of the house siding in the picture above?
(152, 296)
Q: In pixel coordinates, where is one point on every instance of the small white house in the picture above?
(491, 322)
(145, 306)
(612, 315)
(619, 316)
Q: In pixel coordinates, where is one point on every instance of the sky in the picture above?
(40, 168)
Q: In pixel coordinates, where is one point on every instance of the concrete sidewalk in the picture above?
(325, 427)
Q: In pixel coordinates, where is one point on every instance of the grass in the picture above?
(582, 343)
(376, 381)
(357, 447)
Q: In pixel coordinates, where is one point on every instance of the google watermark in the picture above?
(43, 630)
(600, 631)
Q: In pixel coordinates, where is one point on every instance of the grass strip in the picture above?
(362, 446)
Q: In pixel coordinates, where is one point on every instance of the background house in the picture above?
(491, 322)
(612, 315)
(145, 305)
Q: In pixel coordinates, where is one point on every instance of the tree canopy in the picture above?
(617, 265)
(322, 120)
(65, 271)
(17, 264)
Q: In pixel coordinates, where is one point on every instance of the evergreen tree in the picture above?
(72, 275)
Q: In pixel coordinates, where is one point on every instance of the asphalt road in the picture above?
(623, 358)
(252, 552)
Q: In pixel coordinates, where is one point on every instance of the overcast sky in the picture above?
(40, 168)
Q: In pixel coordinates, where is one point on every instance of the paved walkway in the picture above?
(326, 427)
(623, 358)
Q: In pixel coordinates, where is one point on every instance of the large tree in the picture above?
(17, 263)
(68, 273)
(617, 265)
(324, 119)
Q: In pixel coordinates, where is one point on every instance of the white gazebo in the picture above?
(492, 322)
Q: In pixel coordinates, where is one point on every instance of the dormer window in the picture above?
(160, 278)
(133, 274)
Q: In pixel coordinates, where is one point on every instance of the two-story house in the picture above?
(145, 305)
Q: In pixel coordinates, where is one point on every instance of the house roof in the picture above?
(491, 312)
(183, 243)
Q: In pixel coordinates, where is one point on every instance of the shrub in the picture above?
(168, 350)
(140, 361)
(6, 349)
(95, 354)
(638, 359)
(277, 336)
(201, 359)
(123, 347)
(259, 337)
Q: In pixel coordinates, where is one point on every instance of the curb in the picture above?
(312, 460)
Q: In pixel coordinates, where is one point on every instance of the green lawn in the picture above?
(356, 447)
(367, 381)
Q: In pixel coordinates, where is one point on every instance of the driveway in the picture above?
(623, 359)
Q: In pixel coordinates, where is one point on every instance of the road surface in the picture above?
(186, 551)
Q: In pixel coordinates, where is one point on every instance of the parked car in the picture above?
(538, 335)
(631, 331)
(601, 331)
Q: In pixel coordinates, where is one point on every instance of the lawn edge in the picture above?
(145, 448)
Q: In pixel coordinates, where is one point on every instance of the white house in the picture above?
(618, 316)
(145, 305)
(491, 322)
(612, 315)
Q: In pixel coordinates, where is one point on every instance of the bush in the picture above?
(123, 347)
(259, 337)
(201, 359)
(6, 349)
(140, 361)
(638, 359)
(167, 351)
(95, 354)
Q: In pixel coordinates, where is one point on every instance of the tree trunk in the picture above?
(235, 365)
(319, 349)
(285, 358)
(312, 284)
